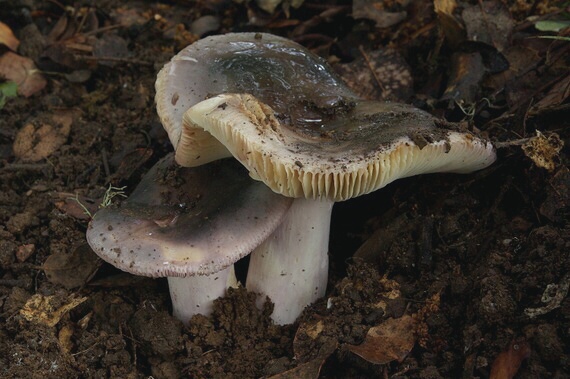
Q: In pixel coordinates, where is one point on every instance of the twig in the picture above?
(516, 142)
(25, 166)
(115, 59)
(105, 163)
(371, 68)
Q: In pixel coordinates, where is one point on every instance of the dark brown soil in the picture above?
(480, 262)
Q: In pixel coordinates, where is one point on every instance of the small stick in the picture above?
(367, 59)
(105, 163)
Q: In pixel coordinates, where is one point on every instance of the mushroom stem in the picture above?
(196, 294)
(291, 266)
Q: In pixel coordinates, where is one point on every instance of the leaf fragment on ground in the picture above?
(556, 205)
(489, 22)
(23, 72)
(312, 368)
(25, 251)
(38, 140)
(64, 338)
(375, 11)
(378, 74)
(44, 310)
(508, 362)
(8, 38)
(75, 205)
(544, 150)
(451, 27)
(71, 270)
(556, 97)
(390, 341)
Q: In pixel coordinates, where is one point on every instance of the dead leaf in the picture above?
(375, 11)
(392, 340)
(119, 280)
(306, 337)
(450, 26)
(76, 206)
(544, 150)
(71, 270)
(41, 309)
(555, 206)
(64, 339)
(379, 75)
(464, 83)
(558, 94)
(38, 140)
(312, 368)
(129, 16)
(488, 22)
(270, 6)
(204, 25)
(8, 38)
(110, 48)
(131, 162)
(23, 72)
(509, 361)
(24, 252)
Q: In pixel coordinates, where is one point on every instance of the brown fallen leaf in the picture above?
(8, 38)
(378, 74)
(38, 140)
(451, 27)
(488, 22)
(311, 330)
(131, 162)
(71, 270)
(392, 340)
(312, 368)
(75, 205)
(25, 251)
(556, 96)
(23, 72)
(64, 339)
(375, 11)
(509, 361)
(119, 280)
(464, 83)
(555, 205)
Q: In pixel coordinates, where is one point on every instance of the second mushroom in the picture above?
(190, 225)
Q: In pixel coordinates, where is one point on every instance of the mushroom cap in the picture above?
(276, 70)
(342, 151)
(187, 221)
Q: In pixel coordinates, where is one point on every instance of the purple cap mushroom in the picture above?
(283, 113)
(189, 225)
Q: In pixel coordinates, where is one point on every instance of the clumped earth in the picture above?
(440, 276)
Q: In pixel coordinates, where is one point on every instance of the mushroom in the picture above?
(189, 225)
(357, 150)
(276, 70)
(282, 112)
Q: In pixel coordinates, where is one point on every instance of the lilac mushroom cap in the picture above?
(278, 71)
(188, 224)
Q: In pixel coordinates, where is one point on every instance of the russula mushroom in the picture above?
(276, 70)
(283, 113)
(189, 225)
